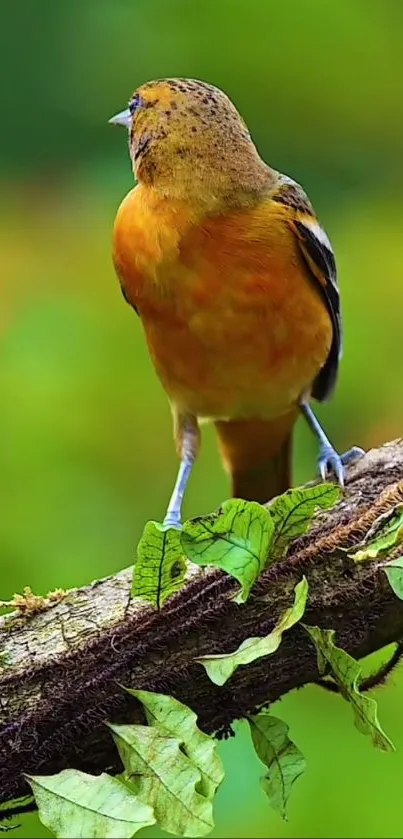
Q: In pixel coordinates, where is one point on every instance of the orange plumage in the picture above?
(216, 251)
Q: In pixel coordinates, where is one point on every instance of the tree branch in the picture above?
(61, 669)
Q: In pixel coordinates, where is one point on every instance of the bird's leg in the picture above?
(187, 438)
(329, 460)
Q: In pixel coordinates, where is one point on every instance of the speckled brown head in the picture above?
(186, 136)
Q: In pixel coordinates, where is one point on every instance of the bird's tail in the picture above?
(257, 455)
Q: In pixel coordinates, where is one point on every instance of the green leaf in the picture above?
(74, 804)
(173, 765)
(237, 539)
(177, 720)
(163, 775)
(394, 573)
(219, 668)
(384, 534)
(347, 673)
(294, 511)
(160, 569)
(284, 761)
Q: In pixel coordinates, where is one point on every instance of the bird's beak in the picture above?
(123, 118)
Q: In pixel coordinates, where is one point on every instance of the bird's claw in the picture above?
(330, 461)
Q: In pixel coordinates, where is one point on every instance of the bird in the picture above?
(234, 281)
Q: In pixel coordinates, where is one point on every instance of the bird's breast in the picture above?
(234, 324)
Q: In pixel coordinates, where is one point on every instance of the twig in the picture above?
(61, 668)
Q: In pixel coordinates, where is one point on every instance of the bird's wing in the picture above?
(319, 257)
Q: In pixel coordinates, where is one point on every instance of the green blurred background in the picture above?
(86, 455)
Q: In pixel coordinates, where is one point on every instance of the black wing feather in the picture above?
(317, 254)
(322, 268)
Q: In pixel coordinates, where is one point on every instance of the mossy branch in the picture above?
(61, 667)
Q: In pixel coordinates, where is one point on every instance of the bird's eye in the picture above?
(134, 104)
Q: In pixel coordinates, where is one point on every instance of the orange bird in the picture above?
(234, 281)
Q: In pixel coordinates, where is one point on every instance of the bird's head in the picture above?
(184, 133)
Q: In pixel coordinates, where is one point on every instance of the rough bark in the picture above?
(61, 668)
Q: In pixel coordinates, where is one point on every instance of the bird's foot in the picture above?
(329, 461)
(172, 520)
